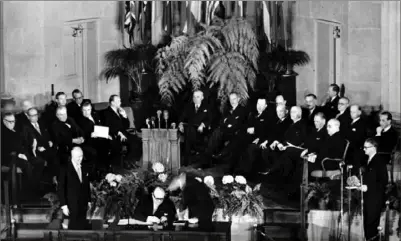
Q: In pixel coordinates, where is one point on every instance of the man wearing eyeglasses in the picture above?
(12, 143)
(386, 135)
(344, 116)
(74, 107)
(375, 178)
(22, 118)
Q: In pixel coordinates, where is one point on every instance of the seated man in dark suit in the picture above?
(87, 123)
(331, 105)
(43, 152)
(344, 116)
(12, 143)
(386, 136)
(74, 190)
(333, 147)
(74, 107)
(311, 110)
(259, 126)
(197, 118)
(117, 121)
(277, 131)
(229, 131)
(22, 118)
(196, 198)
(155, 207)
(356, 135)
(49, 115)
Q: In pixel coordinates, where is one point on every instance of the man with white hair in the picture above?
(333, 147)
(22, 117)
(74, 190)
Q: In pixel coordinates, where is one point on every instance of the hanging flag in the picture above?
(266, 21)
(184, 17)
(120, 20)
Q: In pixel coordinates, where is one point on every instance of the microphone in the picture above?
(152, 120)
(362, 170)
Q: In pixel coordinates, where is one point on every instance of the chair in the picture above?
(390, 165)
(331, 173)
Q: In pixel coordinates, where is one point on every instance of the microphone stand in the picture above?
(349, 168)
(362, 226)
(341, 235)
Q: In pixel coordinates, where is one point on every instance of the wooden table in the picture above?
(161, 145)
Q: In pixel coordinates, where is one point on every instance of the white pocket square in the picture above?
(262, 120)
(87, 174)
(229, 126)
(353, 129)
(205, 111)
(237, 117)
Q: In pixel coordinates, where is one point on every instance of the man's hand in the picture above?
(273, 145)
(93, 135)
(122, 137)
(181, 127)
(22, 156)
(379, 130)
(55, 180)
(264, 145)
(281, 147)
(200, 128)
(312, 158)
(304, 153)
(193, 220)
(65, 210)
(256, 141)
(163, 219)
(250, 130)
(41, 149)
(50, 144)
(77, 141)
(152, 219)
(122, 112)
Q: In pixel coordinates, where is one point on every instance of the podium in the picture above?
(161, 145)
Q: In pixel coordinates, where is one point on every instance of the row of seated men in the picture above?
(45, 142)
(281, 140)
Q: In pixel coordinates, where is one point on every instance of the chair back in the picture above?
(130, 115)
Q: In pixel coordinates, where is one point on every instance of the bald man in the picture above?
(333, 147)
(74, 191)
(22, 117)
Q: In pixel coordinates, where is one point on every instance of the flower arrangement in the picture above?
(318, 194)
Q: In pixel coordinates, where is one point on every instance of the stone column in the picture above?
(146, 133)
(175, 158)
(390, 41)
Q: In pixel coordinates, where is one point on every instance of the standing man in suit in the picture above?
(311, 111)
(74, 191)
(356, 134)
(386, 136)
(343, 115)
(22, 117)
(116, 119)
(332, 102)
(197, 117)
(375, 178)
(74, 107)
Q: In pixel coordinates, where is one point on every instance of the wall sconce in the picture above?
(336, 32)
(77, 30)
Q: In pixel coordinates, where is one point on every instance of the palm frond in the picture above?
(279, 59)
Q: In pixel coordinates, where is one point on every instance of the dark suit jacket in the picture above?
(345, 121)
(262, 125)
(145, 209)
(193, 118)
(196, 197)
(316, 139)
(87, 126)
(22, 120)
(387, 140)
(63, 135)
(309, 117)
(356, 134)
(333, 147)
(74, 110)
(279, 128)
(71, 191)
(376, 178)
(295, 134)
(331, 108)
(42, 138)
(233, 122)
(11, 141)
(115, 122)
(49, 115)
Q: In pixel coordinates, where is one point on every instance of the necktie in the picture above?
(196, 108)
(79, 172)
(36, 125)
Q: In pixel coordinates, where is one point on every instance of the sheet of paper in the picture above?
(101, 131)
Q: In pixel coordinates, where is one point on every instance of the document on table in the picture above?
(101, 131)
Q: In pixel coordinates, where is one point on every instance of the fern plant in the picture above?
(224, 53)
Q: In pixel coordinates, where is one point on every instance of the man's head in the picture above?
(61, 98)
(26, 105)
(261, 105)
(343, 104)
(280, 100)
(77, 155)
(197, 97)
(281, 111)
(296, 113)
(385, 119)
(319, 120)
(33, 115)
(158, 195)
(9, 120)
(310, 101)
(61, 113)
(234, 99)
(333, 127)
(355, 111)
(86, 109)
(77, 96)
(115, 101)
(333, 90)
(177, 182)
(370, 146)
